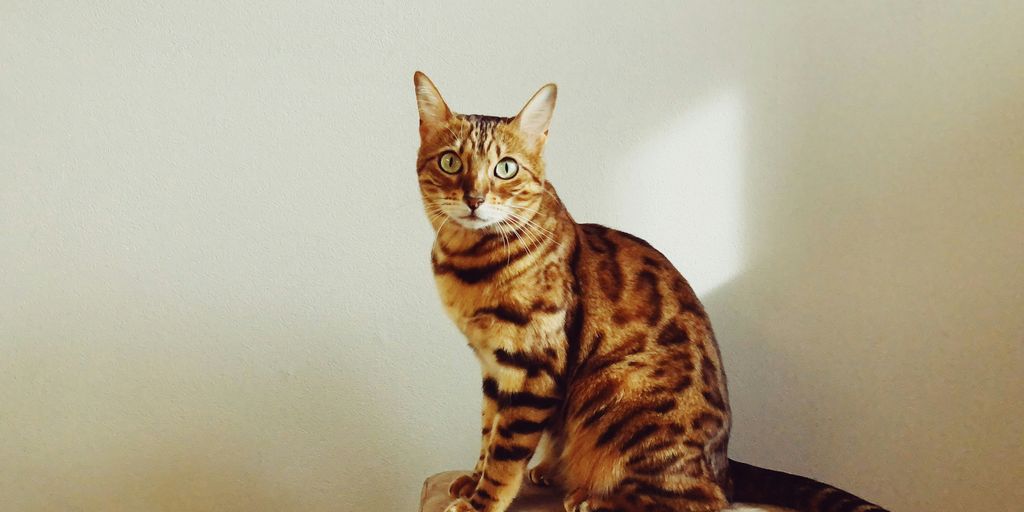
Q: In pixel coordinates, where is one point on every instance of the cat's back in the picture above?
(648, 371)
(628, 282)
(643, 328)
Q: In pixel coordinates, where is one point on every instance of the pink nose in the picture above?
(473, 201)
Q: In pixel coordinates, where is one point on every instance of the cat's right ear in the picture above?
(433, 110)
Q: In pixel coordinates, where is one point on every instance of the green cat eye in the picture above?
(506, 169)
(450, 163)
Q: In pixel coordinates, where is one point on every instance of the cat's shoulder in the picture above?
(622, 253)
(604, 239)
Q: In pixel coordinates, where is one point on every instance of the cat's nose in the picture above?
(473, 201)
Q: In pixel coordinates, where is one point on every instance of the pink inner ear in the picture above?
(431, 105)
(535, 117)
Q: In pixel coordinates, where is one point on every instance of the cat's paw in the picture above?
(463, 486)
(576, 501)
(460, 505)
(539, 476)
(583, 506)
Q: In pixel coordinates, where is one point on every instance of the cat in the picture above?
(587, 337)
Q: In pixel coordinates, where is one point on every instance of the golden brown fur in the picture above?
(583, 333)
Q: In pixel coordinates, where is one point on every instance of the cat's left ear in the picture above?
(434, 111)
(535, 118)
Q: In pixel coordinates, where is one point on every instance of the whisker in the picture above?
(539, 228)
(532, 210)
(538, 236)
(533, 240)
(449, 128)
(519, 237)
(532, 226)
(508, 251)
(437, 235)
(524, 209)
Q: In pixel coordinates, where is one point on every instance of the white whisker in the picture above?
(532, 239)
(449, 128)
(437, 235)
(508, 251)
(532, 228)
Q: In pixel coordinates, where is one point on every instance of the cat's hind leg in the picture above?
(637, 504)
(641, 497)
(543, 474)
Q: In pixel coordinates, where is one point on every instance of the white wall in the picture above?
(215, 285)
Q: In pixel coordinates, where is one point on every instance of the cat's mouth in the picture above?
(473, 221)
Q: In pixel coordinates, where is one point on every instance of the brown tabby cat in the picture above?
(584, 333)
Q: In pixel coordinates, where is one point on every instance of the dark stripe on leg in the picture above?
(503, 453)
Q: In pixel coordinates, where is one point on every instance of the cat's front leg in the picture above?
(523, 411)
(464, 485)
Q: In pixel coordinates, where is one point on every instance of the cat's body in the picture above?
(584, 333)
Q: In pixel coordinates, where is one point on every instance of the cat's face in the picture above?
(481, 172)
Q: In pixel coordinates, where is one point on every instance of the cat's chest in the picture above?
(466, 305)
(500, 315)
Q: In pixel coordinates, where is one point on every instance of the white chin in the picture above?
(474, 223)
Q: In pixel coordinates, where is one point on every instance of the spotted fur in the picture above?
(584, 333)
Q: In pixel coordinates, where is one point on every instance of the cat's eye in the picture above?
(450, 163)
(506, 169)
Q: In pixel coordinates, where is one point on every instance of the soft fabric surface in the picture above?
(531, 497)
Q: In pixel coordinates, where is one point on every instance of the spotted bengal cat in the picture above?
(584, 333)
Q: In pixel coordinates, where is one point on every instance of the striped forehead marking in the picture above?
(481, 133)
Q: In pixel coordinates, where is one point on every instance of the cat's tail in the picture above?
(752, 484)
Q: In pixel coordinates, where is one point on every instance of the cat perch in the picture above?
(531, 498)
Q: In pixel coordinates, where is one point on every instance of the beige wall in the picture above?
(214, 285)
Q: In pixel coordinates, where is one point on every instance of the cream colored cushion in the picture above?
(531, 498)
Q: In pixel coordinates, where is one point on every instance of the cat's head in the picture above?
(481, 172)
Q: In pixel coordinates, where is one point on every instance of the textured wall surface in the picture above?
(215, 292)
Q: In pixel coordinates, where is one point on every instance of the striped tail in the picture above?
(752, 484)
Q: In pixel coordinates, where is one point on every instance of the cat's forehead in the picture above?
(479, 131)
(484, 122)
(482, 126)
